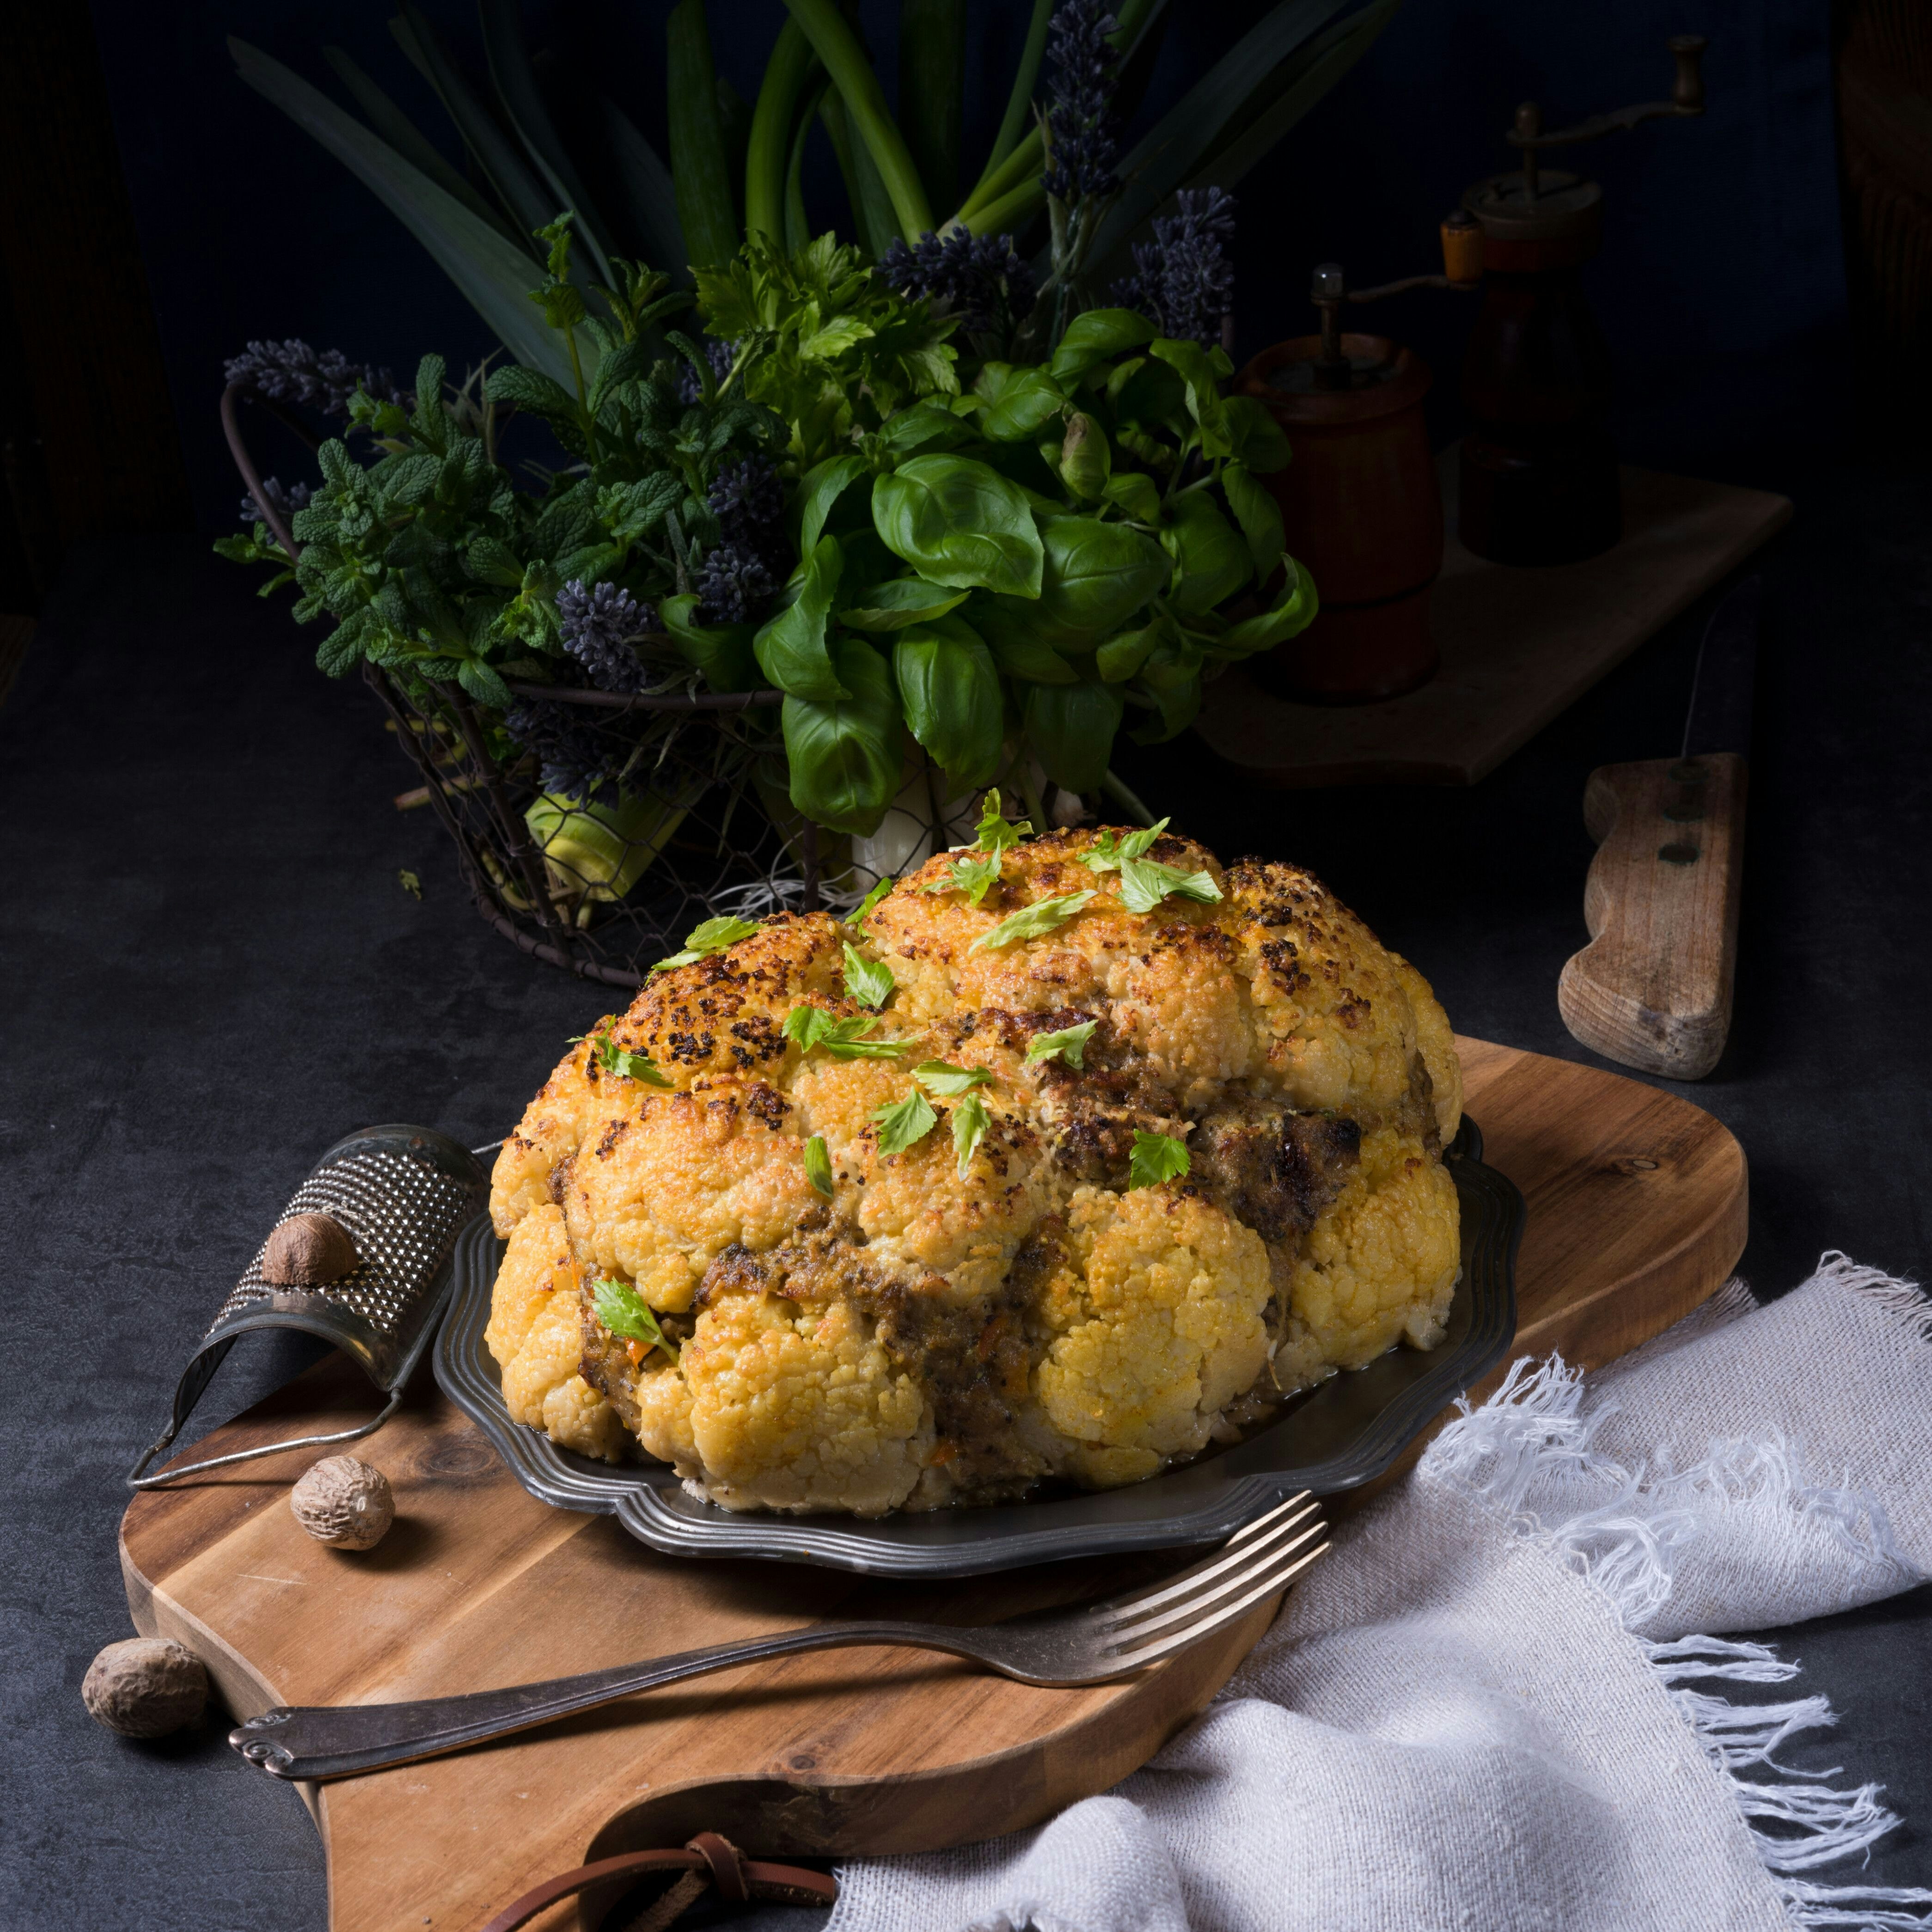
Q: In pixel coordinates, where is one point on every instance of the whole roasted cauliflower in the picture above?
(1004, 1180)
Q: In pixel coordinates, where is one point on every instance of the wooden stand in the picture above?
(1636, 1213)
(1518, 646)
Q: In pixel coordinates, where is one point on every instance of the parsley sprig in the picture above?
(617, 1059)
(811, 1027)
(976, 870)
(1069, 1043)
(970, 1122)
(870, 982)
(1145, 882)
(903, 1124)
(1033, 922)
(942, 1077)
(818, 1165)
(1155, 1158)
(871, 899)
(713, 936)
(625, 1312)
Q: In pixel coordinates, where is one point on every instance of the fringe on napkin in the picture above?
(1626, 1548)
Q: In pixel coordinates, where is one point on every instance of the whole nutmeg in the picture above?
(145, 1686)
(344, 1503)
(307, 1250)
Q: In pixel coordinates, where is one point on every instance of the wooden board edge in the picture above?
(241, 1688)
(958, 1804)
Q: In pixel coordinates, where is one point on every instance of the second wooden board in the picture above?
(1636, 1213)
(1518, 646)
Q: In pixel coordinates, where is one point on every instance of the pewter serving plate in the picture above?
(1341, 1433)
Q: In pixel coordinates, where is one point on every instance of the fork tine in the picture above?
(1206, 1602)
(1241, 1549)
(1266, 1586)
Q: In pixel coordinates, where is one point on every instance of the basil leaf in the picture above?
(1260, 442)
(1093, 577)
(1169, 682)
(1007, 626)
(1030, 399)
(1110, 848)
(1071, 728)
(1291, 613)
(1144, 391)
(625, 1312)
(818, 491)
(949, 693)
(1069, 1043)
(970, 1122)
(712, 936)
(1155, 1158)
(901, 600)
(629, 1066)
(818, 1165)
(1033, 922)
(972, 876)
(995, 833)
(1134, 493)
(791, 648)
(1085, 459)
(960, 523)
(905, 1123)
(1098, 336)
(871, 899)
(1121, 657)
(942, 1077)
(1197, 370)
(869, 982)
(844, 756)
(723, 652)
(1259, 515)
(923, 422)
(1145, 882)
(1211, 562)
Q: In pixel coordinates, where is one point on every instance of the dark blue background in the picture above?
(1721, 286)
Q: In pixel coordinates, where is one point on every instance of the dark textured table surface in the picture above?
(209, 969)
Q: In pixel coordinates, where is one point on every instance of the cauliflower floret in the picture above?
(534, 1335)
(1380, 1266)
(798, 1408)
(1162, 1327)
(952, 1322)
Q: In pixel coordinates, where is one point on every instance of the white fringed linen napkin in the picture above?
(1496, 1706)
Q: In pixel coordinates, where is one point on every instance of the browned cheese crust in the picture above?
(940, 1332)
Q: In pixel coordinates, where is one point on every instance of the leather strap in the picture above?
(737, 1878)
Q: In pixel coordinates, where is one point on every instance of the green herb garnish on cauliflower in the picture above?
(1117, 1183)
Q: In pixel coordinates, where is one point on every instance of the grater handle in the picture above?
(137, 1480)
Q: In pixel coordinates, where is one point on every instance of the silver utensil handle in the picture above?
(323, 1741)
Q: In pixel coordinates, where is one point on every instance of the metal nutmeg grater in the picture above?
(402, 1194)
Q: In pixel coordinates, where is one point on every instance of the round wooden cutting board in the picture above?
(1637, 1207)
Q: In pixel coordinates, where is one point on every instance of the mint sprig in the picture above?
(625, 1312)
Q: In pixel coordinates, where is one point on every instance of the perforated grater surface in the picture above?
(402, 1194)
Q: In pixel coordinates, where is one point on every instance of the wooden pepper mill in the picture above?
(1539, 472)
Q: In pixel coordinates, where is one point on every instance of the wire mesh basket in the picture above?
(699, 823)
